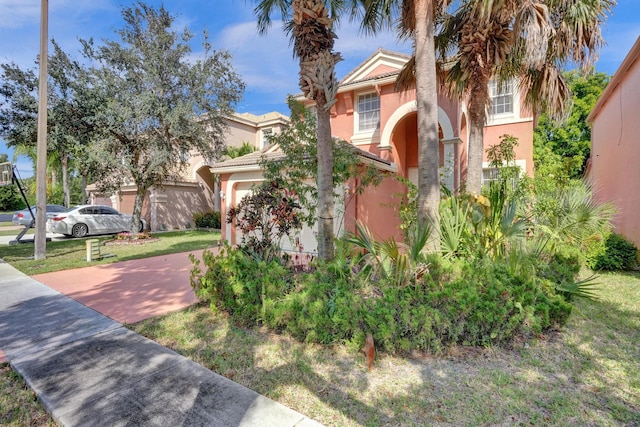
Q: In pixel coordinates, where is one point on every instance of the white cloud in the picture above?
(353, 43)
(16, 13)
(264, 61)
(267, 65)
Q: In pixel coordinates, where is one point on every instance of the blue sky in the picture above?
(264, 62)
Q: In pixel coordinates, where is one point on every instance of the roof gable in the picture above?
(380, 62)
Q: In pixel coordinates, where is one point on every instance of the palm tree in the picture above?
(483, 33)
(310, 23)
(417, 22)
(528, 41)
(576, 39)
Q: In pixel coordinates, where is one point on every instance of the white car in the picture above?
(24, 218)
(84, 220)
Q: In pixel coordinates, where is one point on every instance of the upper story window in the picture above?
(501, 97)
(368, 112)
(265, 135)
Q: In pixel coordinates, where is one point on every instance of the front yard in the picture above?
(586, 374)
(64, 255)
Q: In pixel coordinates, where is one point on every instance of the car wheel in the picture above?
(79, 230)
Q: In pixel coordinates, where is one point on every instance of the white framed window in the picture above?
(368, 113)
(490, 173)
(265, 134)
(502, 99)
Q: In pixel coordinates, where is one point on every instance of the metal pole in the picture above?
(41, 163)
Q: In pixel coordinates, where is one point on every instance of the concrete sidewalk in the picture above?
(88, 370)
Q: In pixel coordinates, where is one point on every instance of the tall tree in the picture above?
(68, 113)
(568, 145)
(157, 104)
(417, 21)
(310, 23)
(526, 41)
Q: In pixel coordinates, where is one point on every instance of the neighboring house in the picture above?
(615, 145)
(381, 121)
(173, 205)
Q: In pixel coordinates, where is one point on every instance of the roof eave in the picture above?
(632, 57)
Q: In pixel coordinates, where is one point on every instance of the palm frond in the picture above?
(585, 288)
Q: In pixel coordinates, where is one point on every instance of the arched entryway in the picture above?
(400, 142)
(206, 182)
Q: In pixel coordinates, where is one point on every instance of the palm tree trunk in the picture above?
(476, 145)
(325, 185)
(474, 163)
(314, 39)
(427, 100)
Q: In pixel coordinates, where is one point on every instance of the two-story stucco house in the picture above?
(173, 205)
(615, 145)
(382, 122)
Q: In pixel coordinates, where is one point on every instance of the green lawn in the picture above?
(12, 232)
(586, 374)
(64, 255)
(18, 404)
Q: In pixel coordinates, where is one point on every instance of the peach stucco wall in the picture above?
(175, 208)
(343, 120)
(615, 152)
(523, 131)
(376, 208)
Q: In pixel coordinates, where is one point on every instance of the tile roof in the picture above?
(274, 153)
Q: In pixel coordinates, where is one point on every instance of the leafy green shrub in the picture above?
(571, 216)
(454, 302)
(10, 199)
(207, 219)
(614, 253)
(239, 283)
(562, 266)
(265, 216)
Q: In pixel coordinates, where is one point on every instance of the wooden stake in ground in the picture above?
(370, 351)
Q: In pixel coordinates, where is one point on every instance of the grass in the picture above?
(14, 232)
(586, 374)
(68, 254)
(18, 404)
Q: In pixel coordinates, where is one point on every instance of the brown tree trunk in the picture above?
(65, 180)
(427, 101)
(314, 39)
(137, 211)
(83, 189)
